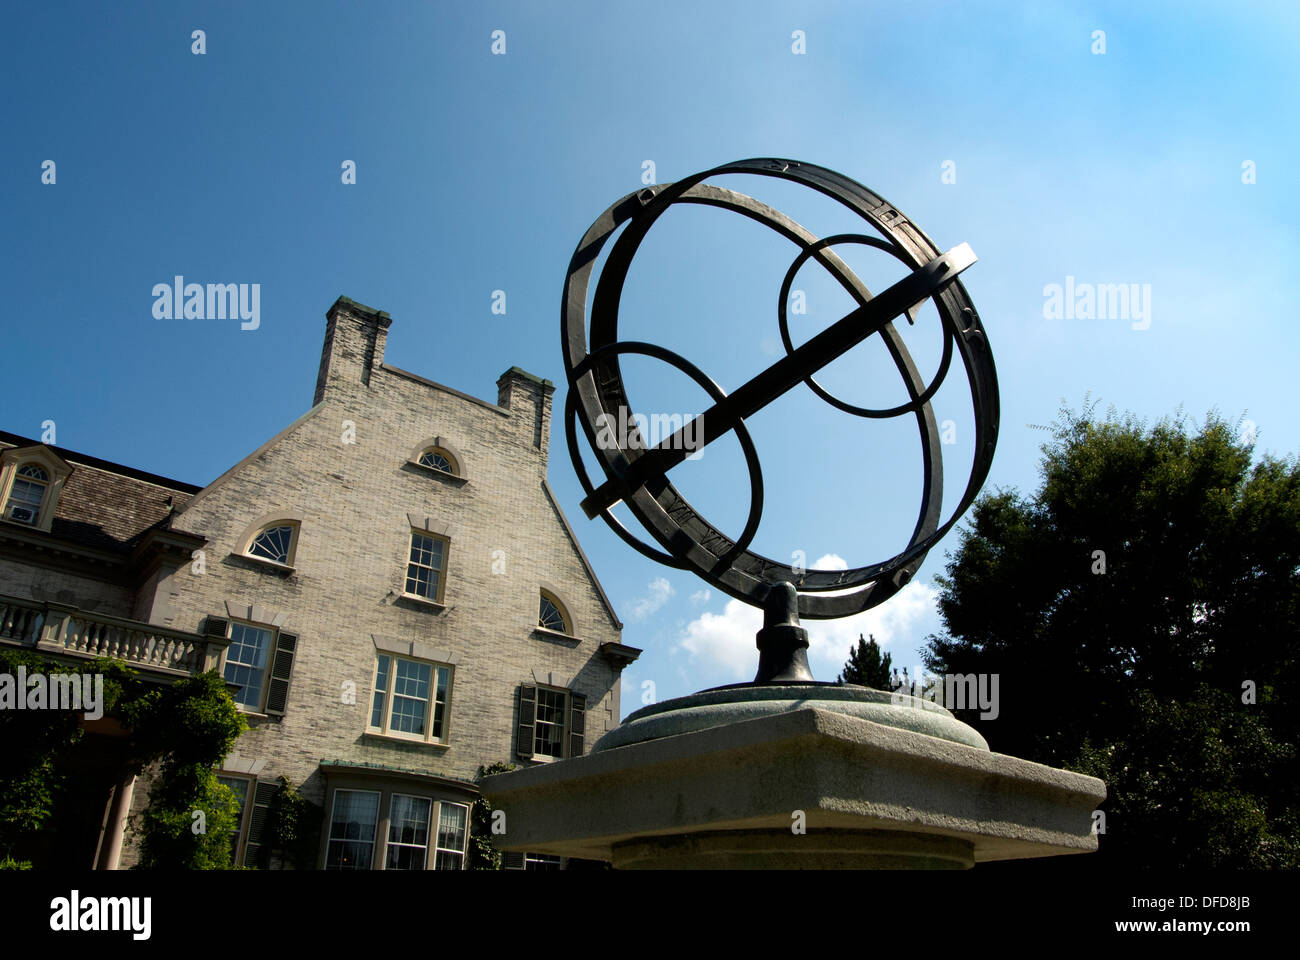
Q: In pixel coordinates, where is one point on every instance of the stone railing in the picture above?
(60, 629)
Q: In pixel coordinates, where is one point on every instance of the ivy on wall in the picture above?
(190, 726)
(187, 727)
(483, 854)
(293, 825)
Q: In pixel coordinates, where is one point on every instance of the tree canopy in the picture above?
(1141, 610)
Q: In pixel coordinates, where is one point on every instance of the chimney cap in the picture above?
(353, 306)
(525, 375)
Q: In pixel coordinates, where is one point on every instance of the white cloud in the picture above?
(701, 596)
(725, 639)
(725, 642)
(656, 596)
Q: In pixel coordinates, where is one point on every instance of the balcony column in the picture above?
(54, 627)
(114, 829)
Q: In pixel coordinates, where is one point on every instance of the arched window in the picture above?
(551, 614)
(439, 456)
(439, 459)
(275, 542)
(27, 493)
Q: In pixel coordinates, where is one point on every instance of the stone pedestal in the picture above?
(799, 776)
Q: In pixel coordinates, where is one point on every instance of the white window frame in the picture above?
(330, 840)
(385, 794)
(442, 571)
(463, 852)
(430, 825)
(266, 668)
(385, 725)
(560, 608)
(563, 724)
(294, 526)
(41, 484)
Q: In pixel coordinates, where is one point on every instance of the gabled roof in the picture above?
(106, 505)
(591, 573)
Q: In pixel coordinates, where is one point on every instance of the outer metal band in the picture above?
(596, 387)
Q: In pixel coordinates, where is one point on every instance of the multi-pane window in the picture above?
(246, 660)
(439, 459)
(552, 723)
(410, 698)
(352, 830)
(424, 571)
(541, 861)
(453, 832)
(551, 616)
(549, 734)
(408, 833)
(26, 494)
(422, 832)
(274, 543)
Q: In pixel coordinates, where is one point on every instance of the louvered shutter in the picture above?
(512, 860)
(216, 626)
(577, 722)
(527, 719)
(277, 694)
(263, 793)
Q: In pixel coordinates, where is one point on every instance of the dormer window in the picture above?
(31, 479)
(275, 542)
(26, 494)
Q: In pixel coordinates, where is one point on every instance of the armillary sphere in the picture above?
(640, 477)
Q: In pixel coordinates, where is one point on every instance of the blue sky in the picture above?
(479, 172)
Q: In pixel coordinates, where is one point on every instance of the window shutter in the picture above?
(512, 860)
(216, 626)
(277, 694)
(527, 718)
(577, 722)
(264, 792)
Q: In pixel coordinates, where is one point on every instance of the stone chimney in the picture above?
(354, 345)
(528, 398)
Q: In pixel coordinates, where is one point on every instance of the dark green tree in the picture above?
(866, 666)
(1142, 609)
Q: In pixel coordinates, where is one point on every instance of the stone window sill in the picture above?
(444, 474)
(391, 738)
(263, 562)
(549, 634)
(253, 717)
(422, 601)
